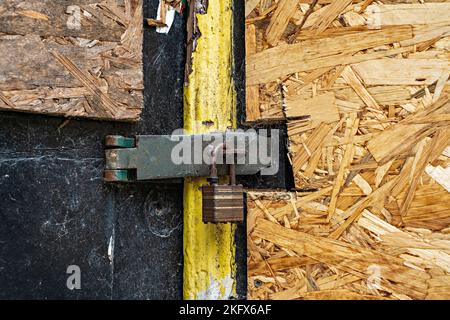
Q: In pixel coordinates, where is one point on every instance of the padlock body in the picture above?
(223, 203)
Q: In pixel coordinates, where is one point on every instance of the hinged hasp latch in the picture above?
(156, 157)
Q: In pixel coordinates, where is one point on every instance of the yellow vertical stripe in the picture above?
(209, 266)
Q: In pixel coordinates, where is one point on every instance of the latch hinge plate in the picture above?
(151, 157)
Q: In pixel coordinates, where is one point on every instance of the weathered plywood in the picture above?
(78, 58)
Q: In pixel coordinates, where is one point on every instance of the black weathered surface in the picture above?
(239, 80)
(57, 211)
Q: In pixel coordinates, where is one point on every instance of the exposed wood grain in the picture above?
(279, 21)
(414, 14)
(303, 151)
(383, 147)
(282, 60)
(350, 77)
(252, 96)
(351, 128)
(347, 257)
(424, 33)
(250, 5)
(330, 13)
(401, 71)
(89, 55)
(367, 117)
(433, 149)
(280, 264)
(321, 108)
(53, 18)
(429, 208)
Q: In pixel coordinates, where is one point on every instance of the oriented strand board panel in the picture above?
(367, 110)
(292, 253)
(77, 58)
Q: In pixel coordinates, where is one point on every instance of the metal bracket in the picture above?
(151, 157)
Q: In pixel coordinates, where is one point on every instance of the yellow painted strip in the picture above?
(209, 250)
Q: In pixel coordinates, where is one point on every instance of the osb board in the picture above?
(77, 58)
(367, 106)
(365, 251)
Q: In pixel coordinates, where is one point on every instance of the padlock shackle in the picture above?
(213, 174)
(232, 174)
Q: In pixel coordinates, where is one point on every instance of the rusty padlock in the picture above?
(222, 203)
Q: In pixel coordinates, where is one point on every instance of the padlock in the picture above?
(222, 203)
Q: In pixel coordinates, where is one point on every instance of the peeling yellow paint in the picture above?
(209, 250)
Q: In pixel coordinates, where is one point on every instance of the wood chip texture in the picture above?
(72, 58)
(363, 88)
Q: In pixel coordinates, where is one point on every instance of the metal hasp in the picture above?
(156, 157)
